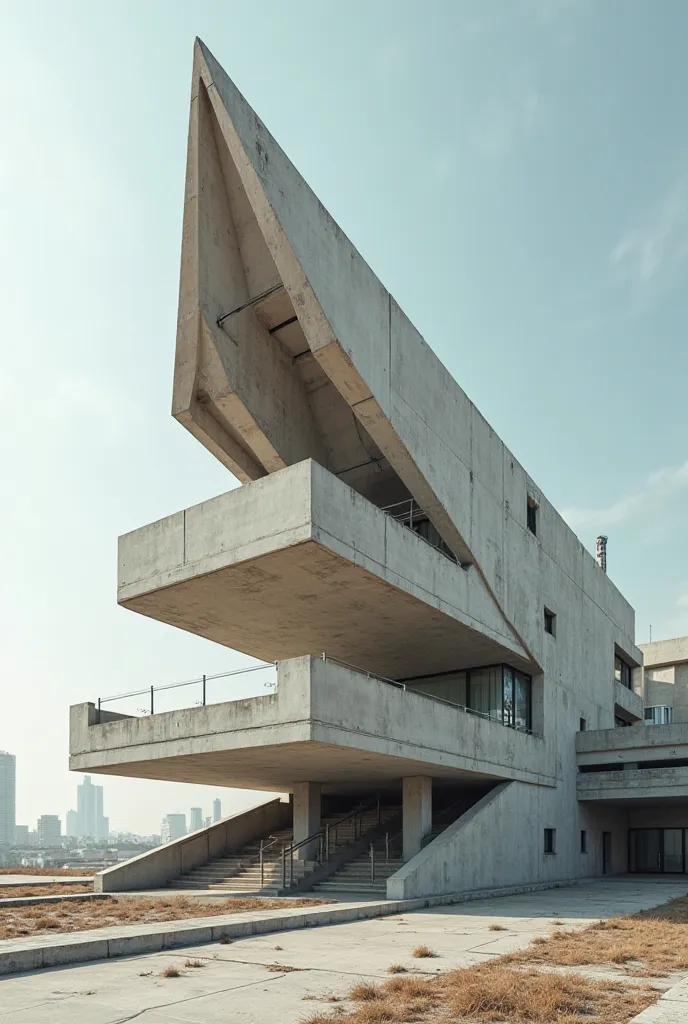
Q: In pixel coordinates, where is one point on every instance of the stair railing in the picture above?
(263, 847)
(357, 817)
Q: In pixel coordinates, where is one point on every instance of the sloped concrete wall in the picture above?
(155, 868)
(500, 842)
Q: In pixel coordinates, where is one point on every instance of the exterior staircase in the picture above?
(366, 874)
(241, 871)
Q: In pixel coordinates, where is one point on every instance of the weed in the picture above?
(194, 963)
(496, 928)
(396, 969)
(171, 972)
(422, 952)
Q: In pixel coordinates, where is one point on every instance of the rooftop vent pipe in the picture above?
(601, 553)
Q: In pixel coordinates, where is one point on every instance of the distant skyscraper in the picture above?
(49, 830)
(88, 819)
(173, 827)
(217, 810)
(208, 820)
(21, 835)
(8, 796)
(196, 819)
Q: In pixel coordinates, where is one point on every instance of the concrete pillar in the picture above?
(417, 812)
(306, 817)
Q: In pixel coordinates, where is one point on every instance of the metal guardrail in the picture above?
(326, 848)
(201, 682)
(410, 514)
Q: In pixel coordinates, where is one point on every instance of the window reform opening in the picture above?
(584, 841)
(582, 724)
(660, 715)
(532, 516)
(498, 692)
(550, 840)
(550, 622)
(623, 672)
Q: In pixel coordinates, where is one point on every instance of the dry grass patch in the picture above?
(14, 892)
(495, 992)
(397, 969)
(57, 872)
(74, 916)
(194, 963)
(422, 952)
(496, 928)
(652, 942)
(171, 972)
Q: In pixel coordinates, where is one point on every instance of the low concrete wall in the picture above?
(154, 869)
(647, 783)
(630, 702)
(637, 743)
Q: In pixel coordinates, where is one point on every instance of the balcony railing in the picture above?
(156, 699)
(204, 689)
(409, 513)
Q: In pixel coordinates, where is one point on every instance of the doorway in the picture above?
(606, 852)
(657, 851)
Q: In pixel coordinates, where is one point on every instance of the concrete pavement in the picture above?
(290, 975)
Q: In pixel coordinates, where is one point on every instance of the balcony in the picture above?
(634, 764)
(298, 562)
(324, 721)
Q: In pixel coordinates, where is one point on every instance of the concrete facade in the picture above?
(662, 681)
(438, 629)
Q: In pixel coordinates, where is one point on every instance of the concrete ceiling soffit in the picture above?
(234, 389)
(346, 314)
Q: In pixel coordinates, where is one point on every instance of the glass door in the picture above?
(672, 859)
(645, 850)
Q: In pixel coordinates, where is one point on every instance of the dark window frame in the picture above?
(623, 671)
(532, 508)
(550, 621)
(582, 725)
(583, 841)
(550, 841)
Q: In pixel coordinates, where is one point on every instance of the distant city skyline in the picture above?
(88, 820)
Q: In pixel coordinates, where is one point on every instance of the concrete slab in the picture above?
(245, 974)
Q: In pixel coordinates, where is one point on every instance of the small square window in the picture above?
(550, 840)
(584, 841)
(532, 516)
(550, 622)
(582, 724)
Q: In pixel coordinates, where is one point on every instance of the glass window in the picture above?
(509, 706)
(485, 691)
(659, 715)
(451, 686)
(522, 701)
(622, 672)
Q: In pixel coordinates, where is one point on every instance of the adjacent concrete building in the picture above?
(450, 659)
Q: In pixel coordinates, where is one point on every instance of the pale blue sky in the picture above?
(515, 171)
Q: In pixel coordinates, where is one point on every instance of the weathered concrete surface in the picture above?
(159, 866)
(644, 784)
(637, 743)
(631, 704)
(324, 722)
(318, 964)
(417, 813)
(663, 681)
(248, 568)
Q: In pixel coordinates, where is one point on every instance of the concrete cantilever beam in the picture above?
(289, 347)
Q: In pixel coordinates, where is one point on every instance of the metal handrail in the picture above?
(202, 680)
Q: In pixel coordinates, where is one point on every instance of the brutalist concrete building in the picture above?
(453, 669)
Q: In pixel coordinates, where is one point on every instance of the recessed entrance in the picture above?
(657, 850)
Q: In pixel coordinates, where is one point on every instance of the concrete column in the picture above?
(417, 812)
(306, 817)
